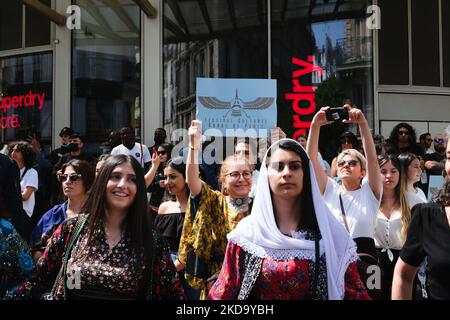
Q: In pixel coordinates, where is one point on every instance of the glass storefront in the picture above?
(106, 81)
(26, 87)
(206, 41)
(232, 37)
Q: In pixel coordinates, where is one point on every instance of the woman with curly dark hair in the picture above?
(428, 236)
(402, 139)
(22, 152)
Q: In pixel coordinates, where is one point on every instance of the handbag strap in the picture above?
(76, 232)
(343, 212)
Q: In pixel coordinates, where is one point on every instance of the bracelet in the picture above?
(192, 147)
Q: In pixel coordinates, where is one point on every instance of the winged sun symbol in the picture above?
(237, 105)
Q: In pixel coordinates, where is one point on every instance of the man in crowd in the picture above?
(159, 138)
(425, 142)
(58, 153)
(434, 162)
(130, 147)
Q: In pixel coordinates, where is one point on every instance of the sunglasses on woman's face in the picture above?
(351, 163)
(403, 133)
(74, 177)
(161, 153)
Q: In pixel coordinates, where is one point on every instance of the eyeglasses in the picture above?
(403, 133)
(235, 175)
(279, 166)
(351, 163)
(439, 140)
(161, 153)
(74, 177)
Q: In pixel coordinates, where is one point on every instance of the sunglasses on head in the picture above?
(439, 140)
(351, 163)
(74, 177)
(161, 153)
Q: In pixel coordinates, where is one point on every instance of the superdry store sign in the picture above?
(303, 97)
(28, 101)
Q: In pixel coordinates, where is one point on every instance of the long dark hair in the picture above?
(138, 223)
(308, 219)
(179, 164)
(393, 137)
(28, 154)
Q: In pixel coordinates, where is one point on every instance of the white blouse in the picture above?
(388, 232)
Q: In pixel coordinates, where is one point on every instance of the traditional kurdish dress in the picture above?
(208, 220)
(103, 273)
(263, 263)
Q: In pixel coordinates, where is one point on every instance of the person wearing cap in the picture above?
(57, 154)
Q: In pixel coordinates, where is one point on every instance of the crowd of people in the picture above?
(273, 221)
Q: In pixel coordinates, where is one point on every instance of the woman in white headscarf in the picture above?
(291, 246)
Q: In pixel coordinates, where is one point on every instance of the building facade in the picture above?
(123, 67)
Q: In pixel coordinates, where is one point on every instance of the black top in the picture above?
(170, 226)
(436, 170)
(11, 195)
(429, 235)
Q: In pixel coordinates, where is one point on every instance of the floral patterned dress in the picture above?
(203, 241)
(277, 280)
(15, 259)
(101, 272)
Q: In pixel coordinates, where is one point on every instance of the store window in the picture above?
(106, 80)
(11, 25)
(327, 46)
(26, 84)
(216, 39)
(393, 48)
(446, 41)
(14, 16)
(425, 43)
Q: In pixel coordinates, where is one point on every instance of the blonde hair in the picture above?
(353, 153)
(226, 164)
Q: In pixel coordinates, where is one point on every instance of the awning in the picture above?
(190, 20)
(60, 19)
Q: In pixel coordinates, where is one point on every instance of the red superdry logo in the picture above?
(302, 93)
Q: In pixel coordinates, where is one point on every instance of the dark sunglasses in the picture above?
(74, 177)
(351, 163)
(439, 140)
(161, 153)
(403, 133)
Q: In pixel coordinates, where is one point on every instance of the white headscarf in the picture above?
(259, 235)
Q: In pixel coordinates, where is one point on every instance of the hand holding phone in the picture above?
(337, 114)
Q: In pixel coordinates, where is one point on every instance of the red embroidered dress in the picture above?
(283, 280)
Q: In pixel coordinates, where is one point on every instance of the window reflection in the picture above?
(220, 39)
(106, 69)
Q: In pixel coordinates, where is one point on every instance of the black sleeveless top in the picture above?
(170, 226)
